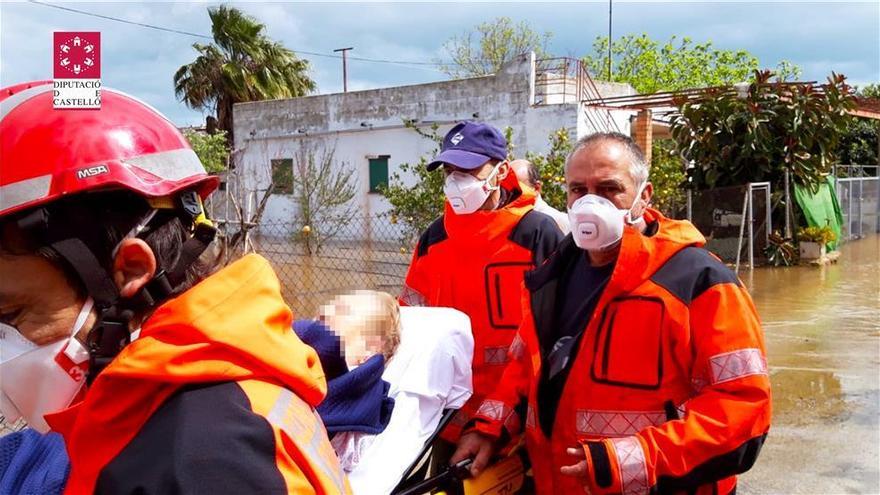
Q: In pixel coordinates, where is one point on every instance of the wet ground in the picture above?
(822, 327)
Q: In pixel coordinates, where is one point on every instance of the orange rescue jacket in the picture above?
(668, 390)
(217, 395)
(475, 264)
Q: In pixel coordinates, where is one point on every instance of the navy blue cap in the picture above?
(469, 145)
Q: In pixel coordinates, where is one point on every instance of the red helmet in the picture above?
(126, 144)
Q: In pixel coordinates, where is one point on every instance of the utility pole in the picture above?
(344, 67)
(609, 40)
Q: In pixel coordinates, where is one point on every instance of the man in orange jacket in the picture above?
(640, 355)
(163, 373)
(474, 256)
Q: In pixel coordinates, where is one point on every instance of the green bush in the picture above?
(211, 149)
(668, 178)
(418, 205)
(551, 166)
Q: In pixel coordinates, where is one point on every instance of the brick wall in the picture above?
(642, 132)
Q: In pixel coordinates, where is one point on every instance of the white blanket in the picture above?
(430, 372)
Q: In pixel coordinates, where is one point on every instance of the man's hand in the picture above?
(477, 446)
(578, 470)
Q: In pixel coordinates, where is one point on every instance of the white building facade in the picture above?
(367, 129)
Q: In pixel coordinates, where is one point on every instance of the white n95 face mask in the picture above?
(466, 193)
(38, 380)
(597, 224)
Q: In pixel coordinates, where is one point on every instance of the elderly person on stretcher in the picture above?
(391, 373)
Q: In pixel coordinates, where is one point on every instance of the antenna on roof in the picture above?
(344, 67)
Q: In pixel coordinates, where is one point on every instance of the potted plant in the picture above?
(780, 251)
(813, 241)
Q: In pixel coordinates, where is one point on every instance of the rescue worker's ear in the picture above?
(645, 200)
(503, 170)
(133, 267)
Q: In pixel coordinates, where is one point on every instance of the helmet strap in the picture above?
(111, 332)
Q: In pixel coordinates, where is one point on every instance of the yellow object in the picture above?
(162, 202)
(167, 203)
(202, 219)
(503, 478)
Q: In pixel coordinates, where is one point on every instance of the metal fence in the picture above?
(6, 427)
(735, 220)
(738, 220)
(859, 199)
(367, 253)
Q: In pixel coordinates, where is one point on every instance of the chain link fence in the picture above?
(735, 220)
(370, 252)
(859, 199)
(7, 427)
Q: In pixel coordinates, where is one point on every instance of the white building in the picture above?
(368, 131)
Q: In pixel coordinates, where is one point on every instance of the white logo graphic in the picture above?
(86, 58)
(91, 172)
(456, 139)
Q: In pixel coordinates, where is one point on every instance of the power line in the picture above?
(405, 63)
(126, 21)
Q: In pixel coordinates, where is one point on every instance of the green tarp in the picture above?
(822, 208)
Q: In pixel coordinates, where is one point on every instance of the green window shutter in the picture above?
(282, 175)
(378, 173)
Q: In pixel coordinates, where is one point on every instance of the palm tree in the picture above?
(242, 64)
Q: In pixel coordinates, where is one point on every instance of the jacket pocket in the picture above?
(628, 349)
(503, 283)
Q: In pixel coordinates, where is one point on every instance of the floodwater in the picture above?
(822, 328)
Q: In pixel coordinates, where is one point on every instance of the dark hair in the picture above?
(101, 220)
(534, 175)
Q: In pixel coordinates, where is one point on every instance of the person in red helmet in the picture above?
(163, 372)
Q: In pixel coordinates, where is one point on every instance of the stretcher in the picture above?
(506, 476)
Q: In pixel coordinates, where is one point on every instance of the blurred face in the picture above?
(37, 298)
(603, 169)
(360, 338)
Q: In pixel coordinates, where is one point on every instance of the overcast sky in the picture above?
(820, 37)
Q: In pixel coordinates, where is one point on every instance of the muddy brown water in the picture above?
(822, 329)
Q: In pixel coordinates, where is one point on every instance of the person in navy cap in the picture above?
(474, 256)
(474, 159)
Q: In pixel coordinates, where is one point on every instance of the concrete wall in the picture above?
(366, 124)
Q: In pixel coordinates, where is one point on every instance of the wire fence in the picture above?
(736, 221)
(9, 427)
(859, 199)
(371, 252)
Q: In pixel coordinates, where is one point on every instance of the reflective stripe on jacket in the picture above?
(668, 391)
